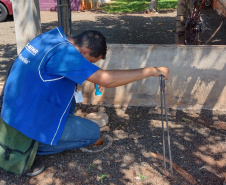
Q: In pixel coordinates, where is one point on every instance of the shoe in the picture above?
(99, 142)
(100, 145)
(36, 169)
(153, 10)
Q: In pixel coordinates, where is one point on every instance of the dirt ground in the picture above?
(197, 140)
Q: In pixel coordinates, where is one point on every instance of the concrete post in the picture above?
(27, 21)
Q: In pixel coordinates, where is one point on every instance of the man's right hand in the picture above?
(163, 71)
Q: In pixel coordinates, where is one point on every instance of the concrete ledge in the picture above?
(197, 79)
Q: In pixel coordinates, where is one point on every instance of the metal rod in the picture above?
(168, 135)
(163, 130)
(163, 96)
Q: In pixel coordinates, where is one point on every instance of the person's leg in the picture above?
(78, 132)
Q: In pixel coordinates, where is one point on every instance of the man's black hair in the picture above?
(93, 40)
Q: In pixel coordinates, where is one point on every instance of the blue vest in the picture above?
(35, 102)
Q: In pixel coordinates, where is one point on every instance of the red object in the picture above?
(8, 5)
(203, 4)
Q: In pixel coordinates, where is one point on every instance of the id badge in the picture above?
(78, 96)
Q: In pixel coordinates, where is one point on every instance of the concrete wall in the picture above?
(197, 78)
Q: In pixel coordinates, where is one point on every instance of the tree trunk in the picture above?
(182, 15)
(27, 21)
(152, 4)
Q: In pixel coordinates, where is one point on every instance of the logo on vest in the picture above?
(31, 49)
(25, 60)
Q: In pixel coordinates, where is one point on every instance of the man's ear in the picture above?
(85, 51)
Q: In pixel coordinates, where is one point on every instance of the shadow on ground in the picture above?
(120, 30)
(198, 146)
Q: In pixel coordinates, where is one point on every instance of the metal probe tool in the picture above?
(163, 100)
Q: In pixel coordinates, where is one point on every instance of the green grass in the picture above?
(102, 176)
(142, 177)
(132, 6)
(166, 4)
(126, 6)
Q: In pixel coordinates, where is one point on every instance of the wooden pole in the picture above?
(64, 15)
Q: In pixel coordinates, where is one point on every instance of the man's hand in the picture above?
(163, 71)
(100, 88)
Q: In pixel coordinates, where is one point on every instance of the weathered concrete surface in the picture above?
(197, 77)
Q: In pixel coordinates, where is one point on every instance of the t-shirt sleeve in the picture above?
(68, 62)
